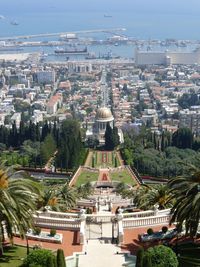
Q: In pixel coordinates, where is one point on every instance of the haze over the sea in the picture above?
(156, 19)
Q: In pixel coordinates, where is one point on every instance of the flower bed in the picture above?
(104, 157)
(158, 236)
(45, 236)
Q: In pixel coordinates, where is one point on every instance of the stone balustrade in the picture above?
(58, 223)
(55, 214)
(163, 212)
(146, 221)
(77, 221)
(138, 214)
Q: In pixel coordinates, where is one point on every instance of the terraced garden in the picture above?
(104, 159)
(122, 176)
(87, 176)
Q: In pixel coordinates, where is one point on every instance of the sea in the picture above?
(143, 19)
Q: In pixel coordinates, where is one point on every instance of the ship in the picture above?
(14, 23)
(72, 51)
(107, 16)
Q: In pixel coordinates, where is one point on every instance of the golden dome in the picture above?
(104, 113)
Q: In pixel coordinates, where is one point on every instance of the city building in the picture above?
(47, 76)
(54, 103)
(167, 58)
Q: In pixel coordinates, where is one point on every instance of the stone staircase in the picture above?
(98, 254)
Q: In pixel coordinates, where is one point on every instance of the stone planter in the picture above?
(45, 237)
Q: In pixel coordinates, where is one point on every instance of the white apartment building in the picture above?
(167, 58)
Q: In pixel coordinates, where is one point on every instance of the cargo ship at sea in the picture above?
(72, 51)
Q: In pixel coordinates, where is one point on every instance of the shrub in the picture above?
(162, 256)
(52, 232)
(147, 261)
(140, 257)
(61, 258)
(38, 257)
(164, 229)
(36, 230)
(88, 211)
(50, 262)
(150, 231)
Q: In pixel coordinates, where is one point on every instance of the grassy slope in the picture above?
(122, 176)
(13, 256)
(87, 176)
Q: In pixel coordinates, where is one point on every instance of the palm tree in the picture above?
(59, 198)
(50, 199)
(147, 197)
(18, 200)
(185, 191)
(83, 191)
(66, 197)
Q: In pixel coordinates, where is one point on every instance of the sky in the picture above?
(153, 6)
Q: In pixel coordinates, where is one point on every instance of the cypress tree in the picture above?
(32, 132)
(21, 132)
(162, 142)
(154, 140)
(115, 136)
(13, 137)
(147, 261)
(140, 257)
(61, 258)
(45, 131)
(109, 144)
(50, 262)
(37, 132)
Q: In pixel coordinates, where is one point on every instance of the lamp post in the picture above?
(27, 245)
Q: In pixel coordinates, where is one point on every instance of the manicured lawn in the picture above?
(86, 176)
(13, 256)
(104, 159)
(122, 176)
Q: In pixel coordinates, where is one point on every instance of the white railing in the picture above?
(138, 214)
(100, 218)
(121, 203)
(163, 212)
(145, 221)
(57, 223)
(146, 213)
(55, 214)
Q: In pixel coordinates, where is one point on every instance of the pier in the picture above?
(60, 33)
